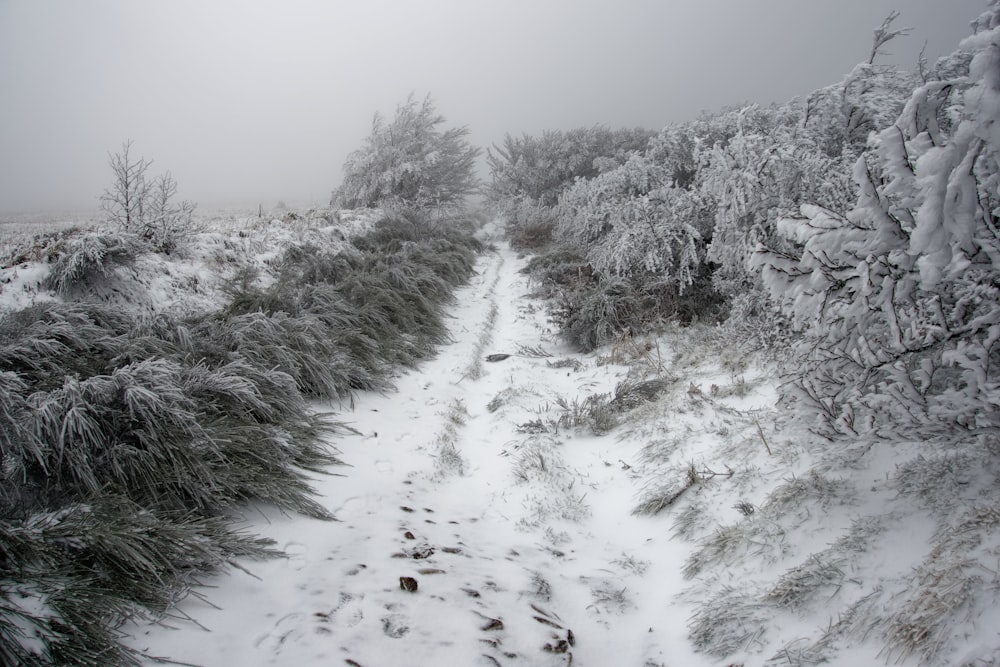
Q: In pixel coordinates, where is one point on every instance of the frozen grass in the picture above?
(643, 354)
(670, 487)
(129, 441)
(539, 463)
(806, 582)
(728, 622)
(91, 257)
(594, 414)
(957, 581)
(449, 459)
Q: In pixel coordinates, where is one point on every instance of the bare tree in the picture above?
(885, 34)
(125, 201)
(166, 220)
(145, 207)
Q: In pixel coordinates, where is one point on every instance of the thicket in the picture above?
(528, 174)
(673, 219)
(130, 446)
(858, 226)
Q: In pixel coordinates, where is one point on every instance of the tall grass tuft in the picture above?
(89, 258)
(128, 445)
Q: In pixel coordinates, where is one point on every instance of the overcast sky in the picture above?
(249, 101)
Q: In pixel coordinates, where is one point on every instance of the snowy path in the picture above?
(522, 547)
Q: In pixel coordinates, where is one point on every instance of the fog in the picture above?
(247, 101)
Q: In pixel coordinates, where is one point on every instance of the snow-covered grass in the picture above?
(533, 537)
(646, 503)
(138, 423)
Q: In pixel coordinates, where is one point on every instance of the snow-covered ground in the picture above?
(189, 282)
(635, 506)
(517, 530)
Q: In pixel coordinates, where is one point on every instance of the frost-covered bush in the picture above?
(410, 163)
(538, 169)
(558, 269)
(761, 173)
(642, 239)
(529, 225)
(632, 222)
(589, 317)
(897, 302)
(898, 298)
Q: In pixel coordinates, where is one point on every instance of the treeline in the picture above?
(130, 445)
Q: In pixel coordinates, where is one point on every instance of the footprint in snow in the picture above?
(353, 506)
(295, 554)
(394, 625)
(348, 612)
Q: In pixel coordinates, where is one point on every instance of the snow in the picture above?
(518, 525)
(500, 554)
(190, 281)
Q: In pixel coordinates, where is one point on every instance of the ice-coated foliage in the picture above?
(898, 298)
(528, 224)
(540, 168)
(631, 221)
(410, 163)
(764, 170)
(88, 258)
(142, 206)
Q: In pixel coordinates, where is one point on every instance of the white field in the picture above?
(519, 528)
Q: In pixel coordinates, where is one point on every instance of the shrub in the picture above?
(589, 318)
(529, 226)
(410, 162)
(560, 268)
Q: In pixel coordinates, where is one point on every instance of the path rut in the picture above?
(467, 531)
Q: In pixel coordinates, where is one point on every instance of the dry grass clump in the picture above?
(727, 622)
(958, 579)
(805, 582)
(86, 260)
(449, 458)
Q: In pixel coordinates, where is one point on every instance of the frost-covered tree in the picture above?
(899, 298)
(166, 218)
(124, 202)
(410, 162)
(142, 206)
